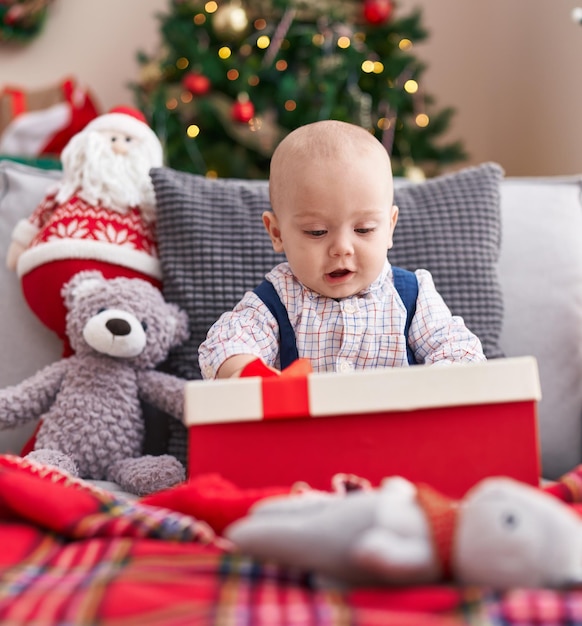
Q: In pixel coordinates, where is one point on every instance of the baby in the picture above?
(335, 302)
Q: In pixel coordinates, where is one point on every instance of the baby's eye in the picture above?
(315, 233)
(363, 231)
(128, 139)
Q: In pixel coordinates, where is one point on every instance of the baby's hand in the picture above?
(258, 368)
(236, 366)
(300, 367)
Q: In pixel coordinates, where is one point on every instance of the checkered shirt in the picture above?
(363, 331)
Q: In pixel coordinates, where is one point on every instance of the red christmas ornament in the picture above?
(197, 84)
(378, 11)
(243, 110)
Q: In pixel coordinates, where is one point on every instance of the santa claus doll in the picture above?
(102, 215)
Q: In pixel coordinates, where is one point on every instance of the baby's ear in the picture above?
(272, 227)
(392, 225)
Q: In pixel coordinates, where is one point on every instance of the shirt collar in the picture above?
(380, 281)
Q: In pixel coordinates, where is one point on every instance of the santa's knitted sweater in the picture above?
(79, 230)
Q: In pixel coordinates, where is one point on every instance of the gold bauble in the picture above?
(230, 21)
(150, 73)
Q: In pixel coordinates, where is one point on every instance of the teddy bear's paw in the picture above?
(147, 474)
(54, 458)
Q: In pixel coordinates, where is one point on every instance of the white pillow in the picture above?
(540, 270)
(26, 345)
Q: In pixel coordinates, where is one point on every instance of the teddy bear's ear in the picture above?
(179, 319)
(81, 283)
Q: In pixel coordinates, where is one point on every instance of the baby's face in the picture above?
(334, 221)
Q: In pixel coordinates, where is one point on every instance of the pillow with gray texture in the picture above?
(213, 248)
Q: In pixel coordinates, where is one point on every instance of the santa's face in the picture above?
(120, 142)
(110, 168)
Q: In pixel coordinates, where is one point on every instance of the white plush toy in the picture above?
(502, 534)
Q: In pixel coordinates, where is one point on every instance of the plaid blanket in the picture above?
(71, 553)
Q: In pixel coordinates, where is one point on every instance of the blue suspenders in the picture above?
(405, 283)
(287, 343)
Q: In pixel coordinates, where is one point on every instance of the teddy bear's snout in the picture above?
(118, 327)
(115, 332)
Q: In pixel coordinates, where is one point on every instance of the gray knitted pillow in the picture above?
(213, 248)
(451, 225)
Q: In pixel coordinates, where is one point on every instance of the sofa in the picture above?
(505, 253)
(518, 280)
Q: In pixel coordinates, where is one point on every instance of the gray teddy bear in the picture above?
(91, 422)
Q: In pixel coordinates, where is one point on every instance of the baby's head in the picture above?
(333, 216)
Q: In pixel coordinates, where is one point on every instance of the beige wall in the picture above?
(509, 67)
(511, 70)
(94, 40)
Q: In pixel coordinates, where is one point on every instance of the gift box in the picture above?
(449, 426)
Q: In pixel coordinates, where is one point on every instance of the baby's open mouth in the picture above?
(339, 273)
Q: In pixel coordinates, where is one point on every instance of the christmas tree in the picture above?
(232, 78)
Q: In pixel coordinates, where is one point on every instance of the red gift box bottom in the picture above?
(450, 448)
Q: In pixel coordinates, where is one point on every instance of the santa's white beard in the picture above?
(93, 172)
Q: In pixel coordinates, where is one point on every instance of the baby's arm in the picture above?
(436, 335)
(234, 365)
(239, 337)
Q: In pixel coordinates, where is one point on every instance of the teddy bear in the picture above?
(89, 404)
(503, 533)
(101, 216)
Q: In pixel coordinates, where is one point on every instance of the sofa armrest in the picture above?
(540, 270)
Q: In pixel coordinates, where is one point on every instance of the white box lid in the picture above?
(373, 391)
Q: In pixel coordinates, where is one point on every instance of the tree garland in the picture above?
(21, 20)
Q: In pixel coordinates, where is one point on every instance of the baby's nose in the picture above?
(341, 245)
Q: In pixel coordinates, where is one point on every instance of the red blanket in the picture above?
(74, 554)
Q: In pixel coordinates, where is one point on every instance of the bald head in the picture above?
(319, 142)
